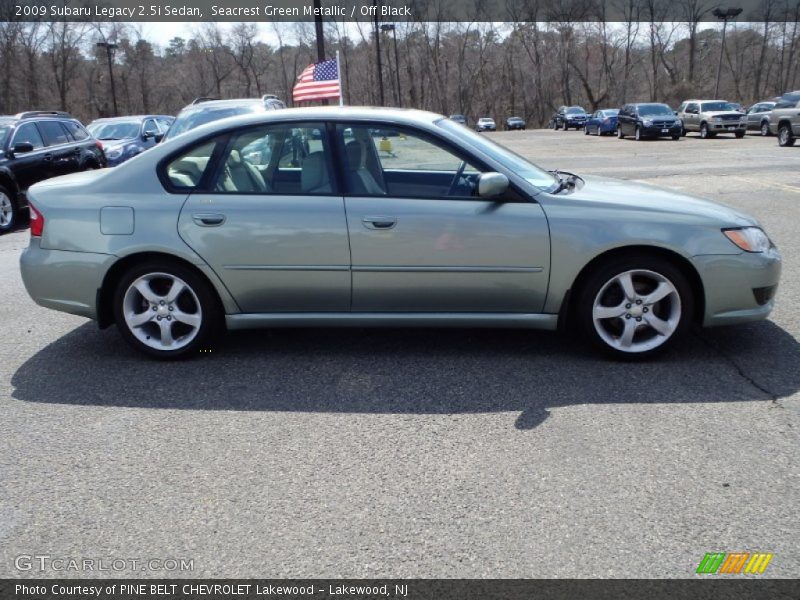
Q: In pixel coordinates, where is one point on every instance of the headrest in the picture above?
(355, 155)
(315, 172)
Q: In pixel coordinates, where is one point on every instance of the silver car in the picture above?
(373, 217)
(712, 117)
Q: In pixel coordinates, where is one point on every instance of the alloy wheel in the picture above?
(162, 311)
(6, 211)
(765, 129)
(637, 311)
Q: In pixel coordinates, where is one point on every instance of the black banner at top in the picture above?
(564, 11)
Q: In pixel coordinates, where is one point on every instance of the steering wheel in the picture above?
(454, 184)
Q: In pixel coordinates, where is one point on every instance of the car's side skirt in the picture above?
(521, 320)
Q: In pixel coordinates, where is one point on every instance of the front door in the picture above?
(271, 224)
(420, 239)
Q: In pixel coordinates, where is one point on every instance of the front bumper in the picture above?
(575, 122)
(658, 131)
(724, 127)
(63, 280)
(486, 128)
(734, 286)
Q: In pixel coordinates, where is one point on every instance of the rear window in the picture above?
(53, 133)
(788, 101)
(76, 130)
(195, 117)
(186, 171)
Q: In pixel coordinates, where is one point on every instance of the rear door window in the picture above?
(53, 133)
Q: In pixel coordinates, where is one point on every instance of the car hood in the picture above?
(635, 196)
(723, 113)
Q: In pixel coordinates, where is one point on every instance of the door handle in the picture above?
(208, 219)
(380, 222)
(47, 157)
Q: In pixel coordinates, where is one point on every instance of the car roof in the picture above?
(131, 118)
(708, 100)
(223, 103)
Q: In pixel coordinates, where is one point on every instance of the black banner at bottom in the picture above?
(411, 589)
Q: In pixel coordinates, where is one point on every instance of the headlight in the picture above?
(749, 239)
(114, 154)
(647, 123)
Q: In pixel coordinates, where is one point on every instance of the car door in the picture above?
(63, 152)
(795, 119)
(754, 116)
(34, 166)
(692, 119)
(269, 220)
(624, 120)
(422, 242)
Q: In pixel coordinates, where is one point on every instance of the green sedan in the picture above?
(380, 217)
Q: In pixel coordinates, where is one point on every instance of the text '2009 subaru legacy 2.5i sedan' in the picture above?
(307, 217)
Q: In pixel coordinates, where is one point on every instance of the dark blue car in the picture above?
(125, 137)
(602, 121)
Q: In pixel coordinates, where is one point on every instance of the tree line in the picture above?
(524, 68)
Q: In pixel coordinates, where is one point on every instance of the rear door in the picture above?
(268, 219)
(64, 153)
(422, 242)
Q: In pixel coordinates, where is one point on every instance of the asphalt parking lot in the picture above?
(419, 453)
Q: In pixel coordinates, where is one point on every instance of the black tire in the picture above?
(765, 129)
(605, 272)
(585, 130)
(704, 132)
(683, 130)
(9, 205)
(785, 136)
(620, 135)
(676, 137)
(739, 135)
(638, 134)
(209, 307)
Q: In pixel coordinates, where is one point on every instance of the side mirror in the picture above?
(491, 185)
(675, 112)
(22, 147)
(149, 134)
(159, 137)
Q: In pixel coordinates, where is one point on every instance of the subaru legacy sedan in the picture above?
(311, 217)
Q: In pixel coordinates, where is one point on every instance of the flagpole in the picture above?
(339, 75)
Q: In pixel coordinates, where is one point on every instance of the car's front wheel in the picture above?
(635, 307)
(638, 134)
(620, 135)
(166, 311)
(704, 132)
(764, 128)
(8, 210)
(785, 137)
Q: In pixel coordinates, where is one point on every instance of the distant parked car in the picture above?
(569, 116)
(125, 137)
(460, 119)
(602, 122)
(710, 117)
(39, 145)
(648, 120)
(737, 107)
(206, 110)
(514, 123)
(784, 120)
(486, 124)
(758, 117)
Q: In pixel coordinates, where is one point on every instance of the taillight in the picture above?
(37, 221)
(99, 144)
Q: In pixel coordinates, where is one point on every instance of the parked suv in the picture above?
(648, 119)
(125, 137)
(569, 116)
(710, 117)
(784, 120)
(206, 110)
(39, 145)
(758, 117)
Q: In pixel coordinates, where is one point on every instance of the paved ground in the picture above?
(367, 453)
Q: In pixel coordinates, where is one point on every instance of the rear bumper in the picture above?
(734, 286)
(64, 281)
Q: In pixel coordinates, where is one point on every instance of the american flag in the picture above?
(318, 81)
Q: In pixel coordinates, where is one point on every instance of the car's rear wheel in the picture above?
(785, 137)
(635, 307)
(764, 128)
(620, 135)
(166, 311)
(9, 210)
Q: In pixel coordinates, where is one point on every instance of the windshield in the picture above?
(715, 106)
(611, 112)
(512, 161)
(195, 117)
(118, 130)
(652, 110)
(575, 110)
